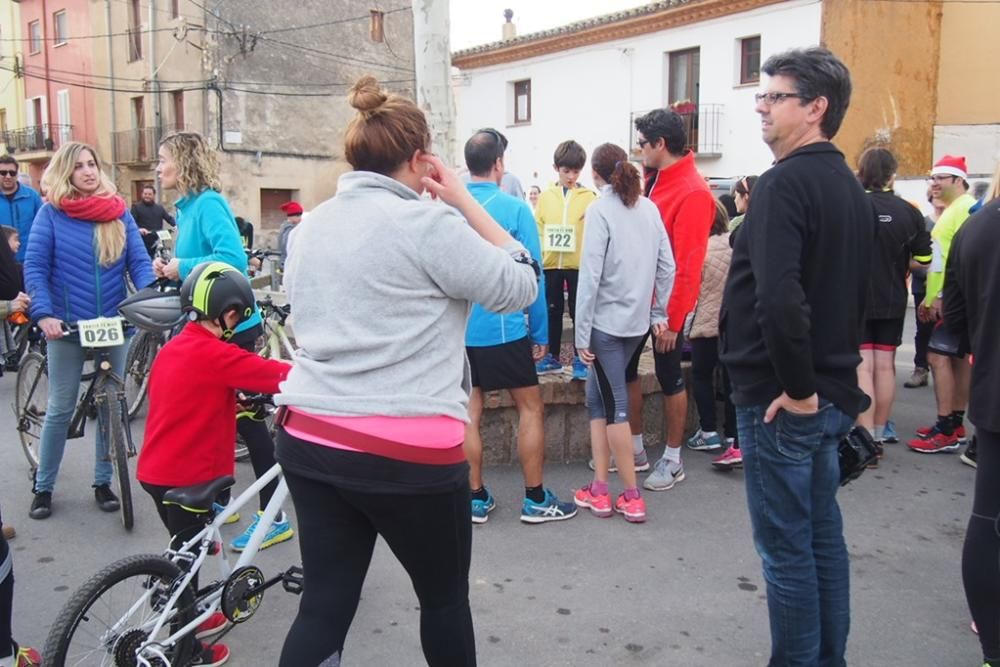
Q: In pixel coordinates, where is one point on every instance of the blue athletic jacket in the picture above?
(207, 232)
(486, 328)
(19, 212)
(62, 273)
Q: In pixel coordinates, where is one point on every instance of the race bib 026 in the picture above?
(101, 332)
(559, 238)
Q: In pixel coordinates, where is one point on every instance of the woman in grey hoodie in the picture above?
(381, 281)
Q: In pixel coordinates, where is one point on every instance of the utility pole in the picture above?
(432, 65)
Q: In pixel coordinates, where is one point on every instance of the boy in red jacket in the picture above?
(190, 430)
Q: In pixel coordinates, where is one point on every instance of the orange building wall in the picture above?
(892, 50)
(969, 86)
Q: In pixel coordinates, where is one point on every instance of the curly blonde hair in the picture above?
(196, 162)
(109, 237)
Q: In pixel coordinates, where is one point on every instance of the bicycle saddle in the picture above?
(198, 498)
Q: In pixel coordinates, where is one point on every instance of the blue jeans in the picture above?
(66, 359)
(792, 476)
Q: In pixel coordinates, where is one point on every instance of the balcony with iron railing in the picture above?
(139, 145)
(43, 139)
(702, 123)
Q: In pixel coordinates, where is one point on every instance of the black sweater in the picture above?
(902, 234)
(972, 306)
(795, 297)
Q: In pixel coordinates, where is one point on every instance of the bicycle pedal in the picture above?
(292, 580)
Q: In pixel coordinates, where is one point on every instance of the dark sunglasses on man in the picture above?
(8, 172)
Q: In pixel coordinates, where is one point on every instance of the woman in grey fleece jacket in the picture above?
(380, 281)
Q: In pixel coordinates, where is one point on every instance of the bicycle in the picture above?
(142, 611)
(105, 396)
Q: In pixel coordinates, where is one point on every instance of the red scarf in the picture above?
(94, 208)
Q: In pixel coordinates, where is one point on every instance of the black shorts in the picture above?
(882, 334)
(947, 343)
(668, 367)
(504, 366)
(632, 370)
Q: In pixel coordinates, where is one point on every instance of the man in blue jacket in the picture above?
(19, 203)
(502, 353)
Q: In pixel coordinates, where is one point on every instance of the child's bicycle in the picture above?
(142, 610)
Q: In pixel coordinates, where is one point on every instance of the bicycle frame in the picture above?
(190, 557)
(102, 381)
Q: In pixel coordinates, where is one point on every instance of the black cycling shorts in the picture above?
(947, 343)
(668, 367)
(504, 366)
(632, 370)
(882, 334)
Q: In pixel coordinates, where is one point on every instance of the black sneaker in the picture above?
(41, 505)
(969, 455)
(106, 499)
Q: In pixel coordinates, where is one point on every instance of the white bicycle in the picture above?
(142, 611)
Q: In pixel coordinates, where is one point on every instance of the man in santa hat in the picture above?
(949, 182)
(293, 210)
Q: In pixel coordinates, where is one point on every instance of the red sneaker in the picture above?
(212, 655)
(27, 657)
(598, 505)
(925, 432)
(633, 510)
(213, 625)
(939, 442)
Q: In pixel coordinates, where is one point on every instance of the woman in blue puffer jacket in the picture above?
(82, 245)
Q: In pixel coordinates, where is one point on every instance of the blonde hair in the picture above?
(196, 162)
(994, 190)
(109, 237)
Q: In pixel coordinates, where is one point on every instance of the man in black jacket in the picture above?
(971, 308)
(791, 327)
(150, 216)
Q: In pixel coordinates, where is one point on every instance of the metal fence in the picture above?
(37, 138)
(703, 126)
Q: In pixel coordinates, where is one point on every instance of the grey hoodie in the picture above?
(380, 285)
(626, 269)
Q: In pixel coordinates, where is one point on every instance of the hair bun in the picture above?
(365, 95)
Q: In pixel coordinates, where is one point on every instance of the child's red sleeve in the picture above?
(245, 370)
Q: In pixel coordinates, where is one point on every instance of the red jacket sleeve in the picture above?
(245, 370)
(692, 226)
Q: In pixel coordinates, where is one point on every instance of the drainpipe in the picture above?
(111, 94)
(153, 83)
(48, 84)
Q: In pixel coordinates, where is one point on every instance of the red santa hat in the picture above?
(292, 208)
(951, 165)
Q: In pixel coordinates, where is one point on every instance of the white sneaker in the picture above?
(664, 476)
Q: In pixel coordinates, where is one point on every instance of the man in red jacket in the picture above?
(688, 209)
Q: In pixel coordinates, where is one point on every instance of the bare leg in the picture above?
(675, 409)
(885, 384)
(599, 449)
(530, 433)
(473, 443)
(963, 377)
(944, 382)
(620, 441)
(866, 382)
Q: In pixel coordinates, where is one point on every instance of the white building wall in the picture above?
(589, 93)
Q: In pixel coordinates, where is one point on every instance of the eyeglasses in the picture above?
(643, 142)
(8, 172)
(770, 99)
(939, 178)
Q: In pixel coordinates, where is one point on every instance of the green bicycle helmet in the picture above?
(214, 288)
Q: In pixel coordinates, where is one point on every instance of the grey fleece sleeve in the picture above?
(467, 267)
(665, 271)
(595, 247)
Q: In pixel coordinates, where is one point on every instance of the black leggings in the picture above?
(431, 535)
(704, 361)
(254, 431)
(554, 279)
(181, 524)
(981, 553)
(6, 598)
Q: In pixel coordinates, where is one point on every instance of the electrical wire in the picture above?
(329, 23)
(335, 56)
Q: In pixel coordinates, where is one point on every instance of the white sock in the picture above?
(637, 444)
(879, 432)
(672, 454)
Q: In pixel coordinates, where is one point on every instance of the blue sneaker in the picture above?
(704, 443)
(280, 531)
(218, 509)
(549, 365)
(580, 369)
(482, 508)
(889, 433)
(549, 509)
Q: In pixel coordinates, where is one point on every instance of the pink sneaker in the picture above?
(598, 505)
(633, 510)
(731, 458)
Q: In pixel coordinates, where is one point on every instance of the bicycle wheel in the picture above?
(102, 624)
(115, 424)
(138, 362)
(31, 397)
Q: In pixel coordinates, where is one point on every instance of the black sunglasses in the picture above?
(6, 172)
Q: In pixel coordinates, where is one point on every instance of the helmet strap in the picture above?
(227, 333)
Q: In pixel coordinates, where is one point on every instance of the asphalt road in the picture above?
(683, 589)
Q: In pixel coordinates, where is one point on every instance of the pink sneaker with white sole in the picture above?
(731, 458)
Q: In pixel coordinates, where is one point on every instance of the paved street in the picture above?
(684, 589)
